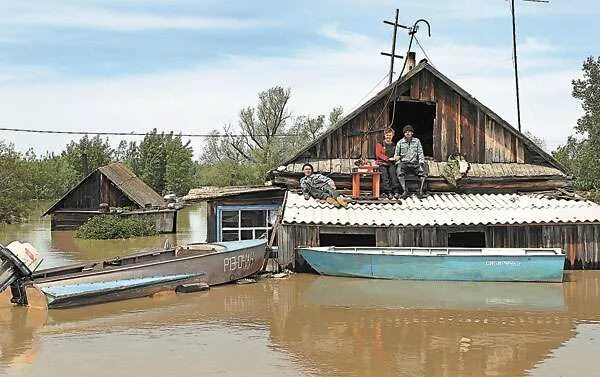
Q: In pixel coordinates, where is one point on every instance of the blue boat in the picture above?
(419, 263)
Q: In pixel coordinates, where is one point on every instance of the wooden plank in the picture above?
(426, 82)
(443, 121)
(415, 87)
(508, 145)
(520, 152)
(488, 139)
(458, 125)
(468, 130)
(450, 116)
(437, 126)
(501, 152)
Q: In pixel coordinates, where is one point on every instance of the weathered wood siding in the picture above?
(581, 242)
(94, 190)
(165, 220)
(111, 194)
(85, 196)
(411, 237)
(289, 238)
(69, 220)
(460, 126)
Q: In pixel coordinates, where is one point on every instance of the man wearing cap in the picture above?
(409, 157)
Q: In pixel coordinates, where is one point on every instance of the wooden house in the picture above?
(512, 193)
(112, 186)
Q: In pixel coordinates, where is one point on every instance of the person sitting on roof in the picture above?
(409, 154)
(384, 152)
(320, 187)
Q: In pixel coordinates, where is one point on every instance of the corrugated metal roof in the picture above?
(132, 186)
(495, 170)
(444, 209)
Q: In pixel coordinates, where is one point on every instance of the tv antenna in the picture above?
(393, 55)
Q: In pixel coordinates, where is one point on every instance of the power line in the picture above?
(129, 133)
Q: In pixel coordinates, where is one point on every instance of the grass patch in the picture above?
(107, 227)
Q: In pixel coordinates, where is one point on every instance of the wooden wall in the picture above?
(85, 196)
(165, 220)
(460, 126)
(581, 242)
(94, 190)
(289, 238)
(111, 194)
(69, 220)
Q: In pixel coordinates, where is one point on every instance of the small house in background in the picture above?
(108, 187)
(237, 212)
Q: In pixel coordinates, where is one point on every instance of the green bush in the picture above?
(106, 227)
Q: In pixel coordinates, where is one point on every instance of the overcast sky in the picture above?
(190, 66)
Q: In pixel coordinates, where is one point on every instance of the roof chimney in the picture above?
(411, 61)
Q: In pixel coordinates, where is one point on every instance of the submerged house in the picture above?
(510, 193)
(111, 186)
(237, 212)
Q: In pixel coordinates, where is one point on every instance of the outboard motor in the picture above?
(17, 260)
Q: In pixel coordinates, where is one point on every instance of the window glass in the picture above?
(230, 235)
(247, 234)
(255, 218)
(246, 224)
(230, 219)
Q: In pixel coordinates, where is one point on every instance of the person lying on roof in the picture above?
(320, 187)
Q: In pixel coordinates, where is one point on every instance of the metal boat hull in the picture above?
(542, 265)
(153, 273)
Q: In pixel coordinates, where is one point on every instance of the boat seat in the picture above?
(94, 266)
(195, 250)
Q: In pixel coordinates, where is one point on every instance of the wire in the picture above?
(128, 133)
(423, 51)
(369, 92)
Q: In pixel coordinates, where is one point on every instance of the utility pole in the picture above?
(393, 55)
(514, 35)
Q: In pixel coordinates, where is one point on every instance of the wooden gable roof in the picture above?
(494, 138)
(125, 181)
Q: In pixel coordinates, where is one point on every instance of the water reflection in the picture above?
(61, 247)
(311, 325)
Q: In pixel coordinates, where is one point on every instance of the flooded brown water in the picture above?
(305, 325)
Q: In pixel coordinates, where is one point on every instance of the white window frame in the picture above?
(256, 231)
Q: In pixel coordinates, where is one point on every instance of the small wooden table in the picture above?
(375, 183)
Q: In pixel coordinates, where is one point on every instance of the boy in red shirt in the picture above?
(384, 152)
